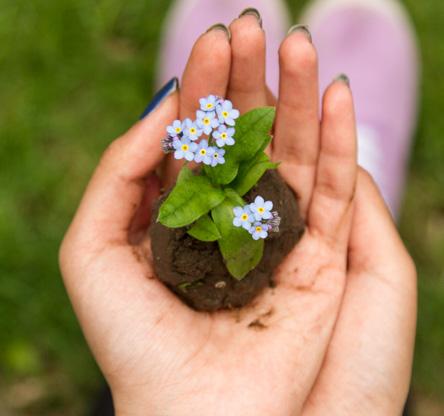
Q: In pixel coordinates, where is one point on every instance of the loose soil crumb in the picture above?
(267, 314)
(257, 324)
(195, 270)
(137, 255)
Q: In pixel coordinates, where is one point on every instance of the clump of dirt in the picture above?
(195, 270)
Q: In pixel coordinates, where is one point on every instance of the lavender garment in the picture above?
(378, 53)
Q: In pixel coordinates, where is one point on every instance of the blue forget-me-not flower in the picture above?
(209, 103)
(243, 217)
(204, 153)
(261, 209)
(207, 121)
(224, 136)
(257, 218)
(218, 157)
(184, 149)
(226, 113)
(175, 129)
(259, 230)
(191, 130)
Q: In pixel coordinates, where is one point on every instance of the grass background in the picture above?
(73, 75)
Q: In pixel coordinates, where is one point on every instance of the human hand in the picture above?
(159, 356)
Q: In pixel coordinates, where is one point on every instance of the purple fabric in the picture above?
(379, 56)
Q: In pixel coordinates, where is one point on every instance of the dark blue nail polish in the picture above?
(171, 86)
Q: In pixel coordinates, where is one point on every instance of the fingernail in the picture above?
(220, 26)
(251, 11)
(171, 86)
(343, 78)
(301, 28)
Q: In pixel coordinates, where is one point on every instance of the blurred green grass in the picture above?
(76, 73)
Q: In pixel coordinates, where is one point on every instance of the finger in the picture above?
(296, 142)
(380, 300)
(329, 211)
(371, 220)
(118, 185)
(207, 72)
(247, 87)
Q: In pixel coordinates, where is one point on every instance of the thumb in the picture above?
(375, 244)
(118, 185)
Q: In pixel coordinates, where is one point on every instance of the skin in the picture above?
(335, 336)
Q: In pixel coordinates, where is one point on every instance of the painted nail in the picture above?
(251, 11)
(220, 26)
(301, 28)
(343, 78)
(171, 86)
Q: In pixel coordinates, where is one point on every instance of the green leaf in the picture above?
(252, 134)
(251, 171)
(192, 197)
(189, 285)
(184, 286)
(222, 174)
(234, 197)
(204, 229)
(240, 252)
(264, 145)
(184, 174)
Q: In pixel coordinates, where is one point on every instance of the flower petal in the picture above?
(234, 113)
(227, 105)
(259, 201)
(238, 211)
(267, 215)
(246, 225)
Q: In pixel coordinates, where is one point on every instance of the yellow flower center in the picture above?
(193, 130)
(215, 155)
(261, 210)
(224, 136)
(209, 106)
(206, 121)
(244, 217)
(185, 147)
(225, 114)
(258, 228)
(203, 152)
(177, 129)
